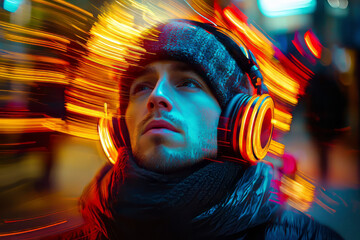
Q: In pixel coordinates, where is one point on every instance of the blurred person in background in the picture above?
(327, 107)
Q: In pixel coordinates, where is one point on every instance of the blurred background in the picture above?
(45, 164)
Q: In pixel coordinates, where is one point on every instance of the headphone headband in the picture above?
(247, 64)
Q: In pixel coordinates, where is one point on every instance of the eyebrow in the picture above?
(147, 70)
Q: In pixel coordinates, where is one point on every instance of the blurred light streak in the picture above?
(37, 217)
(83, 110)
(199, 13)
(20, 125)
(251, 34)
(35, 42)
(298, 47)
(281, 83)
(27, 74)
(282, 116)
(31, 58)
(313, 43)
(176, 10)
(332, 200)
(324, 206)
(65, 7)
(33, 32)
(81, 131)
(299, 191)
(277, 8)
(32, 229)
(94, 86)
(276, 148)
(34, 53)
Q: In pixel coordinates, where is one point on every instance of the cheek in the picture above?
(203, 113)
(204, 120)
(210, 117)
(211, 109)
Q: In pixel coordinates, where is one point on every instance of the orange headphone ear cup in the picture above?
(113, 135)
(245, 127)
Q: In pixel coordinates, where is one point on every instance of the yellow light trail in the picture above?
(20, 125)
(33, 32)
(276, 148)
(300, 191)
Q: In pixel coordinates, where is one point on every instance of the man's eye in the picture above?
(140, 88)
(189, 83)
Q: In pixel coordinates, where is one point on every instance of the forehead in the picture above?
(168, 66)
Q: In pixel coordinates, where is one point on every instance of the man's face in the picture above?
(172, 117)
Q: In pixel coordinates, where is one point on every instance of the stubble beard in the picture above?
(164, 159)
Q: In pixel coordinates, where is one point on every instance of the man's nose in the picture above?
(160, 96)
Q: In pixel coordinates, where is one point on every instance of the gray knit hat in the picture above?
(193, 43)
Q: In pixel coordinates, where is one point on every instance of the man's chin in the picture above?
(161, 159)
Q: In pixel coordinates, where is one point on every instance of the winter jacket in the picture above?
(212, 200)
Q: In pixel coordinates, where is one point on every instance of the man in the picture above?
(164, 184)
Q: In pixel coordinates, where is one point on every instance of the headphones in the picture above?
(245, 126)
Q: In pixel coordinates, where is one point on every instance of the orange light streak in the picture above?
(36, 42)
(300, 192)
(33, 32)
(19, 125)
(22, 74)
(282, 116)
(276, 148)
(32, 229)
(84, 15)
(83, 110)
(31, 58)
(37, 217)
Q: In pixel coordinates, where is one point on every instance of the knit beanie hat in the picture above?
(201, 46)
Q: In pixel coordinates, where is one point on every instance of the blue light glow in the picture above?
(277, 8)
(12, 5)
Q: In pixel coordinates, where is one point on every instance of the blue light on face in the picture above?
(278, 8)
(12, 5)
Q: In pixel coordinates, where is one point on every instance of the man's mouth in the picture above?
(158, 126)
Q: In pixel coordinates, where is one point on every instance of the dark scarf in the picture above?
(213, 200)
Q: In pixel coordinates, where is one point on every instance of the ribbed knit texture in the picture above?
(214, 200)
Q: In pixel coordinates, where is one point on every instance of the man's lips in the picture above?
(159, 124)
